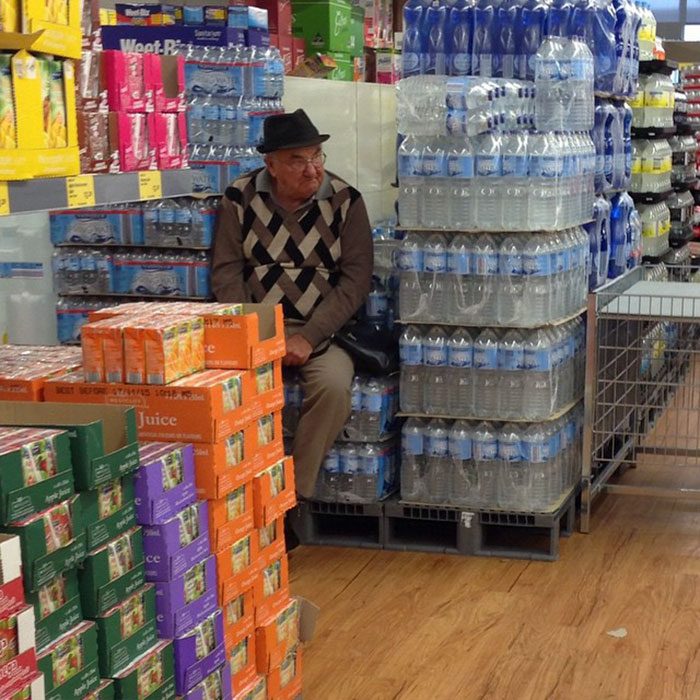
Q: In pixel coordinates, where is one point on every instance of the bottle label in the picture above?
(485, 450)
(515, 166)
(536, 264)
(460, 166)
(371, 402)
(462, 357)
(486, 65)
(432, 164)
(457, 262)
(411, 63)
(488, 165)
(371, 465)
(356, 400)
(485, 263)
(377, 305)
(435, 261)
(535, 450)
(510, 359)
(461, 447)
(546, 69)
(331, 464)
(409, 165)
(349, 463)
(658, 98)
(537, 359)
(510, 264)
(411, 353)
(486, 358)
(509, 451)
(435, 355)
(409, 260)
(436, 445)
(412, 444)
(461, 63)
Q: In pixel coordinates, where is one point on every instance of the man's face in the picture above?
(298, 172)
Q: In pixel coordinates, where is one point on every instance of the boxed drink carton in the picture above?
(274, 491)
(256, 689)
(56, 608)
(237, 567)
(149, 677)
(238, 615)
(247, 340)
(131, 142)
(126, 86)
(34, 690)
(284, 682)
(112, 572)
(164, 483)
(165, 80)
(216, 685)
(231, 517)
(221, 467)
(186, 601)
(177, 544)
(204, 407)
(279, 15)
(69, 664)
(271, 589)
(35, 471)
(168, 133)
(11, 591)
(276, 637)
(104, 691)
(199, 652)
(325, 24)
(18, 664)
(127, 630)
(103, 442)
(52, 542)
(241, 659)
(270, 541)
(60, 22)
(270, 440)
(108, 511)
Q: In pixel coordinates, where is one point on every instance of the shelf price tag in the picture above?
(150, 185)
(80, 191)
(4, 199)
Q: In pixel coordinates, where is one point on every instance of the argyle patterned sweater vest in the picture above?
(291, 260)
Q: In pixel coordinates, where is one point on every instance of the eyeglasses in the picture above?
(299, 162)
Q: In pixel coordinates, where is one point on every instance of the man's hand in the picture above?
(298, 351)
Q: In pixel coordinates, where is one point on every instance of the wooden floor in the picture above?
(405, 626)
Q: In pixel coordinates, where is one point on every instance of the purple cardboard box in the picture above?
(185, 602)
(164, 483)
(177, 544)
(199, 652)
(217, 685)
(259, 38)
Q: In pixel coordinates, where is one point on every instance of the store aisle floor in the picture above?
(408, 626)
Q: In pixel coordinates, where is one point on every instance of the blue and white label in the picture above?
(435, 261)
(486, 357)
(436, 445)
(515, 165)
(510, 264)
(485, 450)
(535, 450)
(537, 359)
(536, 264)
(412, 444)
(409, 259)
(488, 165)
(461, 356)
(458, 262)
(461, 447)
(411, 353)
(485, 263)
(509, 450)
(510, 359)
(435, 355)
(460, 166)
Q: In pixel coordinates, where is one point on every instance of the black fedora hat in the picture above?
(293, 130)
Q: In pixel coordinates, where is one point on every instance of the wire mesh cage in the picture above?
(643, 391)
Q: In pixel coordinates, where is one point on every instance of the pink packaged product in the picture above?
(126, 85)
(199, 652)
(131, 141)
(169, 139)
(164, 77)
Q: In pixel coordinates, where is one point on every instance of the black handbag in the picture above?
(373, 349)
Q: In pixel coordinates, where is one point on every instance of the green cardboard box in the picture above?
(345, 67)
(103, 438)
(104, 691)
(357, 31)
(53, 617)
(52, 542)
(150, 677)
(324, 24)
(108, 511)
(127, 631)
(69, 664)
(111, 573)
(18, 501)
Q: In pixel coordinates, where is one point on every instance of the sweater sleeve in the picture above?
(356, 264)
(228, 260)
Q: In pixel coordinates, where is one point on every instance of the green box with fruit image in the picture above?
(108, 511)
(150, 677)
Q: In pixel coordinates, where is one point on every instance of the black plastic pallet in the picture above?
(339, 524)
(486, 533)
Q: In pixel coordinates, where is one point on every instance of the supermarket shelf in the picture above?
(45, 194)
(148, 297)
(657, 66)
(655, 259)
(650, 197)
(138, 246)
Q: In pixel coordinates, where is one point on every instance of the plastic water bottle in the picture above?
(412, 461)
(410, 169)
(436, 385)
(377, 304)
(627, 144)
(436, 448)
(485, 453)
(409, 261)
(349, 467)
(507, 18)
(533, 20)
(515, 183)
(353, 427)
(511, 363)
(368, 487)
(538, 375)
(412, 374)
(488, 170)
(536, 454)
(545, 167)
(330, 476)
(413, 11)
(484, 279)
(618, 217)
(460, 359)
(435, 281)
(600, 21)
(433, 39)
(514, 476)
(435, 185)
(483, 39)
(553, 96)
(371, 417)
(537, 284)
(460, 169)
(459, 287)
(486, 375)
(511, 281)
(459, 34)
(463, 487)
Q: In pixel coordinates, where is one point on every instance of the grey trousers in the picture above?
(326, 381)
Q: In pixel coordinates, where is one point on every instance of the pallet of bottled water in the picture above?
(486, 466)
(358, 472)
(492, 373)
(520, 280)
(375, 403)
